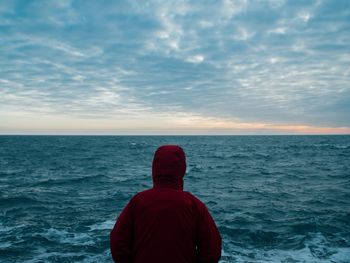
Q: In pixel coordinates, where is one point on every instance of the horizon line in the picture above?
(243, 134)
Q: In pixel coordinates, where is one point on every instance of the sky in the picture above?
(175, 67)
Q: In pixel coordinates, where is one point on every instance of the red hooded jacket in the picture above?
(166, 224)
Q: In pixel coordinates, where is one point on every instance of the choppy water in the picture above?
(274, 198)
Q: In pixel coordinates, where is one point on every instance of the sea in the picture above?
(273, 198)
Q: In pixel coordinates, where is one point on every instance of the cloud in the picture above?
(195, 59)
(279, 63)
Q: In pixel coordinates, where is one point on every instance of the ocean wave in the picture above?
(105, 225)
(65, 237)
(42, 255)
(275, 199)
(194, 168)
(331, 146)
(7, 229)
(314, 250)
(234, 155)
(63, 181)
(4, 245)
(14, 201)
(247, 236)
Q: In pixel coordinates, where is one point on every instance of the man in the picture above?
(166, 224)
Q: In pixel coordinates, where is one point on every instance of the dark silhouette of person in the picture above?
(166, 224)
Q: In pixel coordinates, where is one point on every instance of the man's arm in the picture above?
(208, 238)
(121, 237)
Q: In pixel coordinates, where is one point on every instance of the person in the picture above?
(166, 224)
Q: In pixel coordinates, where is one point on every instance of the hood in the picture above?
(169, 167)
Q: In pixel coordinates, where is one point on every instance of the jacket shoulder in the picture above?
(140, 195)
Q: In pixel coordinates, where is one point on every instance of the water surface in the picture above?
(274, 198)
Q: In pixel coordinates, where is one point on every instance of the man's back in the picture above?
(166, 224)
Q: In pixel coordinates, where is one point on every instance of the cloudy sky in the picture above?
(174, 67)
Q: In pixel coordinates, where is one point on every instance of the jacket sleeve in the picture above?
(121, 237)
(208, 238)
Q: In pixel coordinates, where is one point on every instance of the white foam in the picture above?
(316, 250)
(119, 179)
(106, 225)
(65, 237)
(43, 256)
(342, 255)
(104, 257)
